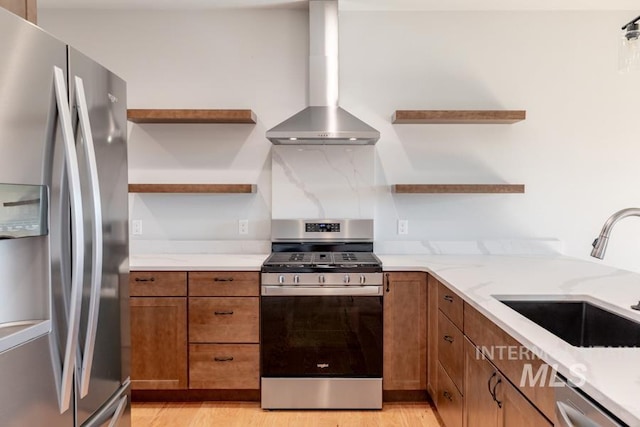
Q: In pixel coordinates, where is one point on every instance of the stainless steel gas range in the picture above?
(321, 317)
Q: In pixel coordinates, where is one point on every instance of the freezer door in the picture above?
(28, 389)
(98, 103)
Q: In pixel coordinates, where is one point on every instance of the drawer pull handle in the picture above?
(223, 313)
(448, 395)
(223, 359)
(448, 298)
(448, 338)
(139, 279)
(223, 279)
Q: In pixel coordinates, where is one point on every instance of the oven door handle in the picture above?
(321, 291)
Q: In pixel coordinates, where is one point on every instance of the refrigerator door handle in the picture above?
(119, 412)
(96, 264)
(77, 235)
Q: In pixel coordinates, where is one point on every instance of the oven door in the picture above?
(321, 336)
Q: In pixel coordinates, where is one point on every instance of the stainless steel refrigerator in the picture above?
(64, 326)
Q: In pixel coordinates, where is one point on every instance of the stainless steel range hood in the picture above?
(323, 122)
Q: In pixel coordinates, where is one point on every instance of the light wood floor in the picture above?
(230, 414)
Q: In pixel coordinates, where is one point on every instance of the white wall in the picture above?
(199, 59)
(576, 152)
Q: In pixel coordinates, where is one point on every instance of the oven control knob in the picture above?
(347, 279)
(296, 279)
(363, 279)
(321, 278)
(281, 279)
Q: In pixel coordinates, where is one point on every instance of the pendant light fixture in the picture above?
(629, 55)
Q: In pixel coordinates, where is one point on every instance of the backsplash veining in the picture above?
(323, 181)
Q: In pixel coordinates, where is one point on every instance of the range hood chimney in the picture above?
(323, 122)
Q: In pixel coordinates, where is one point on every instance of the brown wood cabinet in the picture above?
(194, 332)
(448, 342)
(470, 388)
(224, 330)
(511, 358)
(224, 366)
(450, 349)
(158, 284)
(481, 409)
(158, 343)
(224, 319)
(491, 400)
(26, 9)
(405, 331)
(224, 284)
(158, 308)
(451, 305)
(432, 336)
(450, 401)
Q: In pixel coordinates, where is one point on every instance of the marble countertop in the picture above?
(611, 375)
(196, 262)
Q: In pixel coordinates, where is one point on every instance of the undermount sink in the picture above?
(579, 323)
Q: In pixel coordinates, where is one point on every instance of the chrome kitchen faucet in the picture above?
(600, 244)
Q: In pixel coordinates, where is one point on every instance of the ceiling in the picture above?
(372, 5)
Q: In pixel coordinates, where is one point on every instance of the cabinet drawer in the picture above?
(158, 283)
(450, 304)
(448, 400)
(224, 284)
(451, 349)
(224, 320)
(224, 366)
(510, 357)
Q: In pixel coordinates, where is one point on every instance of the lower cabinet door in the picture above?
(449, 400)
(480, 410)
(405, 332)
(224, 366)
(491, 400)
(158, 343)
(516, 410)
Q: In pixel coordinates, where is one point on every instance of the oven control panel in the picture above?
(322, 230)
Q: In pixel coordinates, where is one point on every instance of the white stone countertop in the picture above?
(197, 262)
(612, 374)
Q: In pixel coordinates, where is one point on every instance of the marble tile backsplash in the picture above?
(323, 181)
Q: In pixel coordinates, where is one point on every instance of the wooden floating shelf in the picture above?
(191, 116)
(458, 116)
(458, 188)
(193, 188)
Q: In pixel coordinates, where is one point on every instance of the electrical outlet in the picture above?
(243, 226)
(403, 226)
(136, 226)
